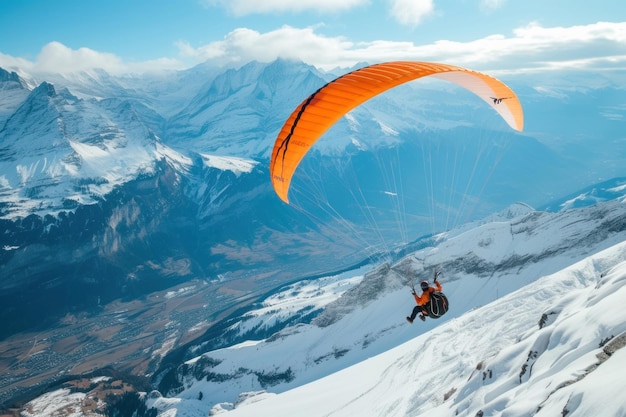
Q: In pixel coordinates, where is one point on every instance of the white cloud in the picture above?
(491, 4)
(11, 63)
(599, 45)
(406, 12)
(530, 47)
(244, 45)
(55, 55)
(247, 7)
(411, 12)
(58, 58)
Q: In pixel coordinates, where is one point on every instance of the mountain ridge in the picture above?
(111, 136)
(120, 190)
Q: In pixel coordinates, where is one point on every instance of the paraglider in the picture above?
(430, 303)
(318, 112)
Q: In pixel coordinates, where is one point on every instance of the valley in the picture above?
(130, 336)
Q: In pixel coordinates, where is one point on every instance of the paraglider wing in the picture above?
(322, 109)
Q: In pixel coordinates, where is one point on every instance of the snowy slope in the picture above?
(59, 148)
(495, 360)
(13, 91)
(535, 298)
(481, 266)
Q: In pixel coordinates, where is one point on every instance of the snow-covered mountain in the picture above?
(88, 175)
(550, 348)
(78, 127)
(536, 318)
(240, 111)
(472, 362)
(482, 264)
(60, 151)
(119, 188)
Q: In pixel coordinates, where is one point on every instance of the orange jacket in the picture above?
(425, 297)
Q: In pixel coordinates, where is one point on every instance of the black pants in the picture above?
(419, 309)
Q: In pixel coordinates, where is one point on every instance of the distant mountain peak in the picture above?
(6, 76)
(45, 88)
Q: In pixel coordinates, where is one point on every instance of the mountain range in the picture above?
(119, 189)
(535, 319)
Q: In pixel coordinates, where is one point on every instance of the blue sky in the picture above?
(139, 35)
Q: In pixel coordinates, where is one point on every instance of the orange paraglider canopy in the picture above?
(317, 113)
